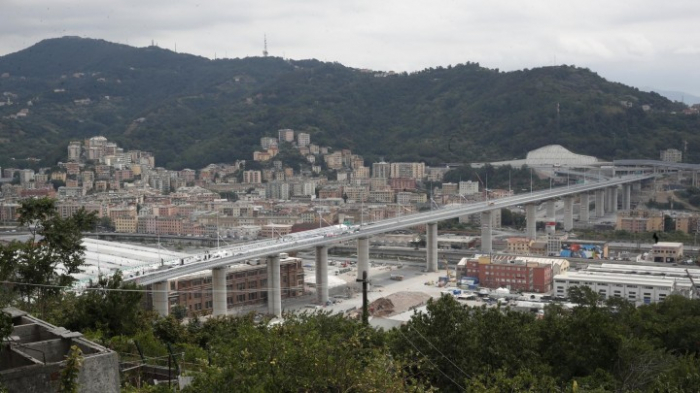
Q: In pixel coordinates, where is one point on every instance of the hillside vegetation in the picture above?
(191, 111)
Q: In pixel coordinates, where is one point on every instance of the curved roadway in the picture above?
(328, 235)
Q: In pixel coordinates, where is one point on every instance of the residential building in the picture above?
(74, 151)
(640, 221)
(303, 139)
(671, 155)
(450, 188)
(252, 177)
(518, 245)
(267, 142)
(413, 170)
(286, 135)
(381, 170)
(468, 187)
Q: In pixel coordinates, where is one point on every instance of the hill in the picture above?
(191, 111)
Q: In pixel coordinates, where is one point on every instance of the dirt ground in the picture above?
(397, 303)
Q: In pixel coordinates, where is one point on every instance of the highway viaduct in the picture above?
(603, 194)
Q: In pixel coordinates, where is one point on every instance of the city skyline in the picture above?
(642, 44)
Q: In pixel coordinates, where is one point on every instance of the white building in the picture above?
(303, 139)
(634, 288)
(468, 187)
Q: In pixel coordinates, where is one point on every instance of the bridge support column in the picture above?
(584, 208)
(551, 212)
(322, 273)
(613, 199)
(362, 256)
(626, 197)
(599, 203)
(486, 245)
(218, 289)
(274, 288)
(159, 294)
(531, 222)
(431, 246)
(568, 213)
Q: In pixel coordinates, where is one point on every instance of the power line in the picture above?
(430, 361)
(441, 354)
(207, 290)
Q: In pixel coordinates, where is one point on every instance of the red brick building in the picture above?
(514, 274)
(246, 285)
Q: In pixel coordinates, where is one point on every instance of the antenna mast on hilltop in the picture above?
(265, 47)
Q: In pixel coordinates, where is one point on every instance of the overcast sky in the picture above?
(643, 43)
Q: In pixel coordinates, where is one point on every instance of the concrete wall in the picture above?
(99, 373)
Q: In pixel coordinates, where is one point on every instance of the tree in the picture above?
(111, 307)
(42, 265)
(68, 382)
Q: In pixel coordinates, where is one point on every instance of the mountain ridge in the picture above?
(195, 110)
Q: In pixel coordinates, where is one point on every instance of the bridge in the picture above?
(605, 200)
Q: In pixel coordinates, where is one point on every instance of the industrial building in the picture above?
(637, 289)
(246, 285)
(640, 284)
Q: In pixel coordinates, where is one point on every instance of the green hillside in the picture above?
(191, 111)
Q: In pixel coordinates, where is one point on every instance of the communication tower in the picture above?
(265, 46)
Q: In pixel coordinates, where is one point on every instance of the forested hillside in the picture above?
(191, 111)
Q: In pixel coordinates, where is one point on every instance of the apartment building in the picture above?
(413, 170)
(468, 187)
(640, 221)
(671, 155)
(268, 142)
(286, 135)
(303, 139)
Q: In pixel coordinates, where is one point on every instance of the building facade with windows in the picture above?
(246, 285)
(637, 289)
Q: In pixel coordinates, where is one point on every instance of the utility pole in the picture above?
(365, 305)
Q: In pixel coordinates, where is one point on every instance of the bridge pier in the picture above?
(530, 221)
(584, 208)
(599, 203)
(613, 199)
(486, 244)
(626, 197)
(551, 212)
(322, 273)
(218, 289)
(568, 213)
(431, 247)
(274, 290)
(161, 304)
(362, 256)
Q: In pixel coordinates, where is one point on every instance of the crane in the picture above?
(692, 282)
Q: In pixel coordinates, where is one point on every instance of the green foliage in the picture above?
(46, 261)
(315, 352)
(111, 306)
(68, 382)
(217, 110)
